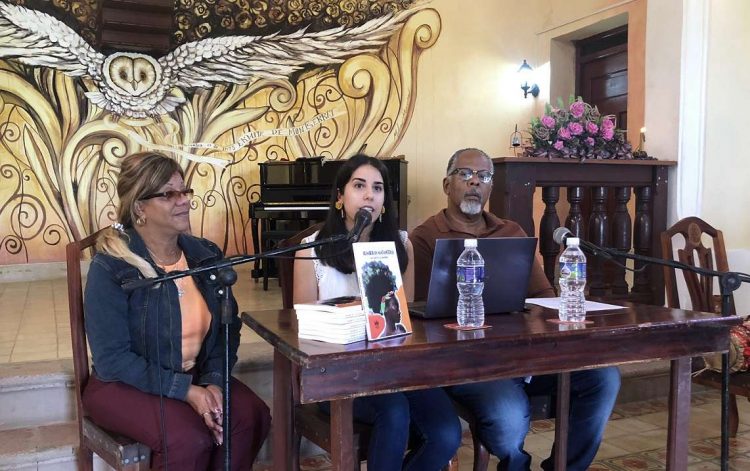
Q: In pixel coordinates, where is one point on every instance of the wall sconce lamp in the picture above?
(525, 73)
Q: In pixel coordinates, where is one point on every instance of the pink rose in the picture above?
(548, 121)
(564, 134)
(591, 127)
(590, 141)
(607, 123)
(577, 108)
(575, 128)
(558, 145)
(608, 134)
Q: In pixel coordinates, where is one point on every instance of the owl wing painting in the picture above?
(138, 85)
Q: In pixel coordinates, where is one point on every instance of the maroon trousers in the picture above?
(189, 444)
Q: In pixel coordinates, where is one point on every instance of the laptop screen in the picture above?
(507, 269)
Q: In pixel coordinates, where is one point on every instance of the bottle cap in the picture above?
(470, 242)
(572, 241)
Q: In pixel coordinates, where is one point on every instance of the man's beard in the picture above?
(471, 208)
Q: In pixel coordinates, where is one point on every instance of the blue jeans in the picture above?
(424, 421)
(503, 414)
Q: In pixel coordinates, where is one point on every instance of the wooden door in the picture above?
(602, 73)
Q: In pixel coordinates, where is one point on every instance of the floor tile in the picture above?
(704, 466)
(643, 441)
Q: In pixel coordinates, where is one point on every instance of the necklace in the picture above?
(180, 289)
(177, 253)
(175, 266)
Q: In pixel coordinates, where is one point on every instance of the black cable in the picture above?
(610, 254)
(293, 257)
(594, 250)
(162, 420)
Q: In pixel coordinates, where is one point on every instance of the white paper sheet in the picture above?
(554, 303)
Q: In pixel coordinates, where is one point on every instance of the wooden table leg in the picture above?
(283, 412)
(561, 421)
(679, 414)
(342, 435)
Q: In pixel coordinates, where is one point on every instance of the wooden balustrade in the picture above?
(598, 192)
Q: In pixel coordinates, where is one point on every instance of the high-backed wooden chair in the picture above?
(117, 451)
(309, 420)
(700, 289)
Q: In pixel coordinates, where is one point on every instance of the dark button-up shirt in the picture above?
(438, 226)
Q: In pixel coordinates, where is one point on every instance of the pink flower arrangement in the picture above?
(577, 108)
(576, 131)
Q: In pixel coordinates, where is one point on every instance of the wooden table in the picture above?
(517, 345)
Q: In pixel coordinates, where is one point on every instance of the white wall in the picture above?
(722, 173)
(726, 195)
(468, 91)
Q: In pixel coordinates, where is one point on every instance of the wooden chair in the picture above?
(117, 451)
(701, 293)
(309, 420)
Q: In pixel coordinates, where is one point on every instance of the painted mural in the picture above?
(282, 86)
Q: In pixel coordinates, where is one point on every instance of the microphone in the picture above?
(561, 234)
(362, 219)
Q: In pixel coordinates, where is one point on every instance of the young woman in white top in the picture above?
(423, 419)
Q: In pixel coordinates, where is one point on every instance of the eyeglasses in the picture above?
(465, 174)
(170, 195)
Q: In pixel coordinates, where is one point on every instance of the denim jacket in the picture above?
(136, 337)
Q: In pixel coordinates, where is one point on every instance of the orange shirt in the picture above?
(196, 318)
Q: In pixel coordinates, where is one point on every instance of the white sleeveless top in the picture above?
(331, 282)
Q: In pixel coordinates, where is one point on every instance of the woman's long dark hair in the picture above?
(336, 255)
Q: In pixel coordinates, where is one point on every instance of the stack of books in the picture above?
(339, 320)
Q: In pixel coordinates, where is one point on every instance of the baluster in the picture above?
(574, 221)
(621, 234)
(598, 229)
(550, 221)
(642, 237)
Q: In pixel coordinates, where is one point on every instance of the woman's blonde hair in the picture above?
(140, 175)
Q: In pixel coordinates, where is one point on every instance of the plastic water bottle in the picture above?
(470, 284)
(572, 282)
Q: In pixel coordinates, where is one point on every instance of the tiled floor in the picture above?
(35, 323)
(635, 440)
(34, 326)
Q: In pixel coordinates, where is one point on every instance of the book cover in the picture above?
(382, 290)
(341, 304)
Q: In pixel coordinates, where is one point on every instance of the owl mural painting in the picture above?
(219, 105)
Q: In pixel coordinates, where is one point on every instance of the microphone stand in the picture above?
(728, 283)
(227, 277)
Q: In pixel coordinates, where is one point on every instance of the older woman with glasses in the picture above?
(157, 352)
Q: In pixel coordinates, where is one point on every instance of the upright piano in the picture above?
(296, 194)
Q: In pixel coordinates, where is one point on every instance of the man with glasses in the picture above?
(502, 406)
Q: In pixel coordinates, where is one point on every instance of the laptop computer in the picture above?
(507, 269)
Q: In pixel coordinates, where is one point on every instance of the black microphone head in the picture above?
(363, 215)
(560, 234)
(362, 219)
